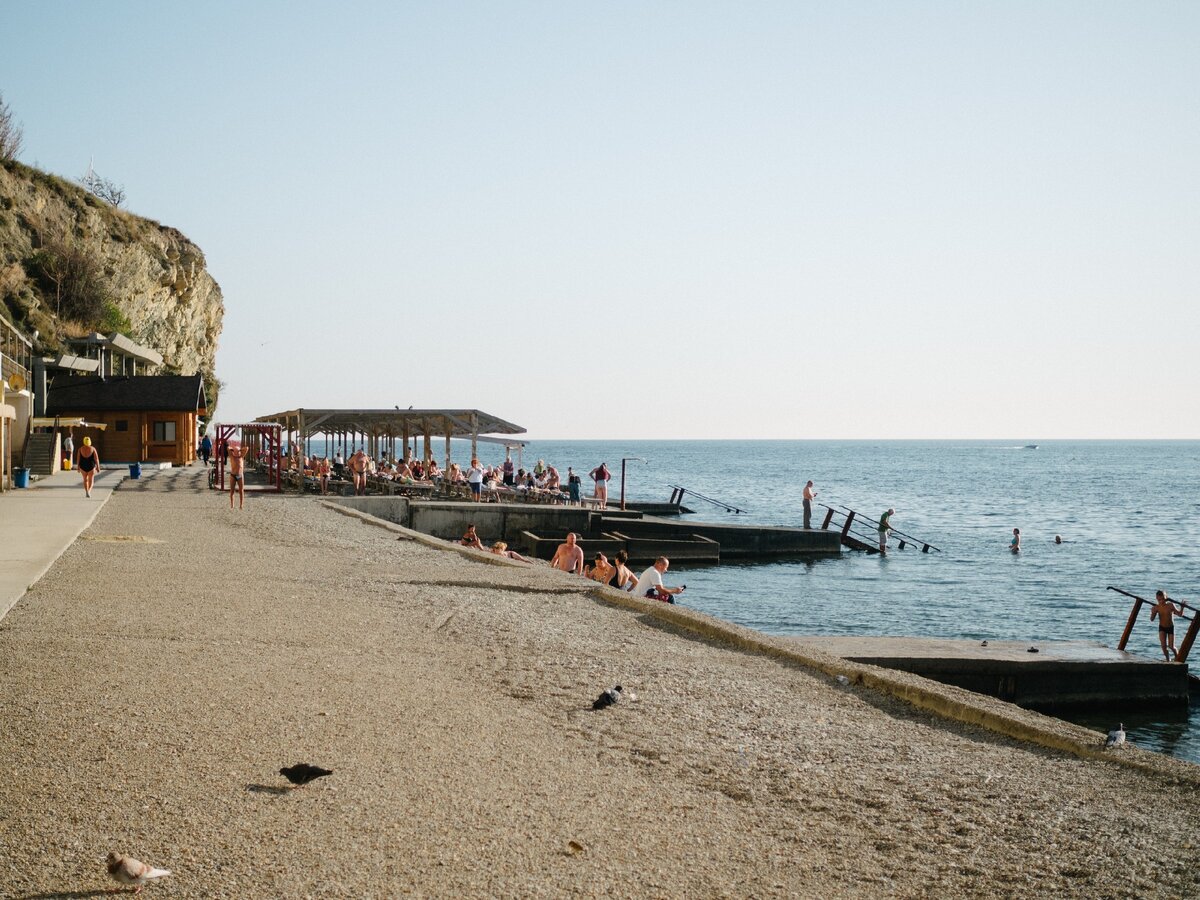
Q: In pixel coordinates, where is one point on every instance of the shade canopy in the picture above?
(462, 423)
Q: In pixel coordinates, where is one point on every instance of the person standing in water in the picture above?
(1015, 546)
(89, 464)
(885, 526)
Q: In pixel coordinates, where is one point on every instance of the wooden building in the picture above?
(150, 418)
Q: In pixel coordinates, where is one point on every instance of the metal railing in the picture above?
(1181, 654)
(677, 492)
(848, 530)
(16, 352)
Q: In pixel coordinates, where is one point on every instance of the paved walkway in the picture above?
(39, 522)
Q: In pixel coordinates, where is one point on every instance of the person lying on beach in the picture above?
(1166, 610)
(501, 549)
(471, 539)
(600, 570)
(569, 556)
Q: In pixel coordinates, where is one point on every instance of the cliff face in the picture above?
(150, 277)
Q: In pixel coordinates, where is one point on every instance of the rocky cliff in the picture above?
(71, 263)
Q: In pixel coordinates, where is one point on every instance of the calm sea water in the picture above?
(1129, 510)
(1129, 513)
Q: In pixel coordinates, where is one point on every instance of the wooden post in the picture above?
(828, 519)
(449, 429)
(474, 435)
(1181, 654)
(406, 456)
(849, 522)
(1137, 608)
(428, 445)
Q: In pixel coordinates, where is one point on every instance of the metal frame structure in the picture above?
(374, 429)
(264, 439)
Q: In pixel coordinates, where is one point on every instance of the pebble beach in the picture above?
(179, 653)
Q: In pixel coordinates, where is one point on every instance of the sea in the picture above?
(1128, 513)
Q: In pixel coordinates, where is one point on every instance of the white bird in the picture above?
(128, 870)
(1116, 737)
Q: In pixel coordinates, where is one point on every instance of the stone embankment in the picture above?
(154, 681)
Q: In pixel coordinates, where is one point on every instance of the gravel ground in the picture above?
(154, 681)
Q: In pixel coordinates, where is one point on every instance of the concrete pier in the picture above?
(536, 529)
(1061, 674)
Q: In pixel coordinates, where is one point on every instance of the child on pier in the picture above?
(1166, 611)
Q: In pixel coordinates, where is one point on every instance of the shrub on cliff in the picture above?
(11, 136)
(73, 278)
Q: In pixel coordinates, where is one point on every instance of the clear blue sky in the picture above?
(638, 219)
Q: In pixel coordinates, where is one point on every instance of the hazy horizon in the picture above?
(907, 219)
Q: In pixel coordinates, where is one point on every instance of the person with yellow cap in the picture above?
(89, 464)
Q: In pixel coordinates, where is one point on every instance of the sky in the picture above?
(663, 220)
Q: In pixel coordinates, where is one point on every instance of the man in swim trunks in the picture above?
(568, 556)
(358, 467)
(237, 474)
(1166, 611)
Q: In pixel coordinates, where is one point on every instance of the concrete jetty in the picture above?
(537, 530)
(1060, 674)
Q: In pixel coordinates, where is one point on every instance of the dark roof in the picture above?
(177, 393)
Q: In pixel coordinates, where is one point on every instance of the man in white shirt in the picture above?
(475, 479)
(650, 585)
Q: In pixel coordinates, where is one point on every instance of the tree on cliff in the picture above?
(11, 136)
(75, 277)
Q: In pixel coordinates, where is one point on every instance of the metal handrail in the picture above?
(682, 490)
(907, 537)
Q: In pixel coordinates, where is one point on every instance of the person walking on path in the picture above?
(206, 449)
(358, 466)
(1166, 610)
(809, 496)
(569, 556)
(68, 448)
(885, 526)
(601, 476)
(237, 474)
(89, 464)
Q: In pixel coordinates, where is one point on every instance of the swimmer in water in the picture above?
(1015, 546)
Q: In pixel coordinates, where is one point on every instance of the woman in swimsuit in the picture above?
(89, 462)
(471, 539)
(625, 578)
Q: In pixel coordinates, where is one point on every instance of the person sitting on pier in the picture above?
(1166, 610)
(471, 539)
(600, 570)
(569, 555)
(433, 471)
(651, 586)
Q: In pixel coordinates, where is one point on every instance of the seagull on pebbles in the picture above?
(128, 870)
(1116, 737)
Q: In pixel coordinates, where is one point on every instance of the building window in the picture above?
(164, 432)
(122, 424)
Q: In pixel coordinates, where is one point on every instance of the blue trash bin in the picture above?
(135, 470)
(20, 478)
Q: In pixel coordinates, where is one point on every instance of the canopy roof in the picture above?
(454, 422)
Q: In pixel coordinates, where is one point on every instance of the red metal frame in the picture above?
(268, 441)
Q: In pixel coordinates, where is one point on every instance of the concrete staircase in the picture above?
(39, 453)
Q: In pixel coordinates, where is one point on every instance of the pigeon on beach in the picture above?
(1116, 737)
(608, 698)
(303, 773)
(128, 870)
